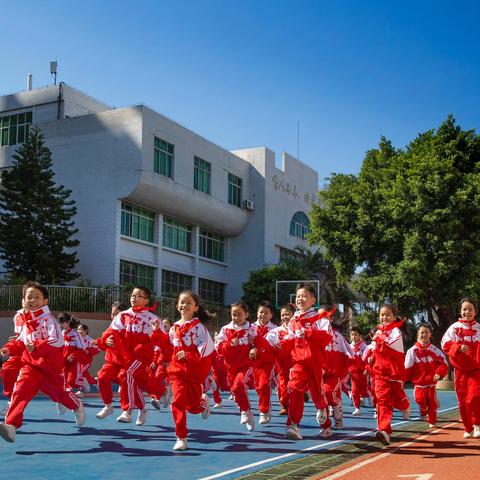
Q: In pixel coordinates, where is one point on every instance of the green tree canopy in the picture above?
(36, 226)
(409, 223)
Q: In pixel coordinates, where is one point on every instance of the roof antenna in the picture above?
(53, 71)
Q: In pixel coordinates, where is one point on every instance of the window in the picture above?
(234, 190)
(137, 222)
(163, 157)
(201, 175)
(136, 274)
(211, 245)
(300, 225)
(211, 291)
(287, 255)
(14, 128)
(173, 283)
(177, 235)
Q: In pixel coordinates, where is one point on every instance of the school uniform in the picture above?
(467, 368)
(73, 354)
(11, 367)
(422, 363)
(356, 371)
(42, 368)
(90, 351)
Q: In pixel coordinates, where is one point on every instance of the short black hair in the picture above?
(37, 285)
(308, 287)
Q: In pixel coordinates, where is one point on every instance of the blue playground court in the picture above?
(51, 447)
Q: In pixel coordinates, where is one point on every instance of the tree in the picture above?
(36, 226)
(409, 223)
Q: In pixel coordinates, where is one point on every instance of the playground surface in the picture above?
(50, 446)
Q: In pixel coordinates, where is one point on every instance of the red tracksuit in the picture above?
(220, 377)
(368, 360)
(356, 371)
(90, 351)
(308, 335)
(114, 359)
(73, 355)
(467, 368)
(237, 360)
(135, 328)
(422, 363)
(162, 356)
(263, 365)
(11, 367)
(389, 373)
(188, 375)
(283, 362)
(41, 369)
(338, 354)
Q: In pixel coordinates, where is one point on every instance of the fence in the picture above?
(97, 300)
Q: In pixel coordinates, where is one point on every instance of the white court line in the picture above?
(344, 472)
(314, 447)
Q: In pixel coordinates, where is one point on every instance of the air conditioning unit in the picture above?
(248, 205)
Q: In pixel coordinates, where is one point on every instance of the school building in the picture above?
(158, 204)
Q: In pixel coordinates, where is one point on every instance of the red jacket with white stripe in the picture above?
(338, 354)
(14, 360)
(117, 355)
(357, 364)
(265, 353)
(91, 349)
(42, 329)
(236, 357)
(388, 354)
(422, 363)
(275, 338)
(309, 333)
(194, 339)
(135, 328)
(74, 345)
(463, 333)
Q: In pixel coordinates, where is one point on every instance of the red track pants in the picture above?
(359, 387)
(9, 373)
(263, 378)
(467, 386)
(187, 397)
(30, 382)
(239, 382)
(390, 395)
(426, 398)
(106, 375)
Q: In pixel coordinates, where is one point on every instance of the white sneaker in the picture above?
(321, 416)
(293, 432)
(244, 417)
(155, 403)
(476, 431)
(206, 406)
(79, 414)
(356, 412)
(180, 444)
(61, 409)
(382, 437)
(141, 417)
(431, 425)
(264, 418)
(8, 432)
(325, 433)
(218, 405)
(468, 434)
(106, 411)
(338, 425)
(125, 417)
(406, 413)
(79, 394)
(375, 414)
(230, 397)
(250, 421)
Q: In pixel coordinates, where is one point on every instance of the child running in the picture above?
(461, 343)
(191, 363)
(356, 370)
(309, 333)
(90, 351)
(389, 371)
(235, 344)
(40, 345)
(425, 364)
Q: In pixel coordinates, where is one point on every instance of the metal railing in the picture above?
(98, 300)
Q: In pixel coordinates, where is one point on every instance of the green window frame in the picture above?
(163, 157)
(177, 235)
(14, 129)
(173, 283)
(138, 222)
(211, 245)
(235, 186)
(136, 274)
(211, 291)
(300, 225)
(287, 255)
(201, 175)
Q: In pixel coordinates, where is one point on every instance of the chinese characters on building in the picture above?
(291, 190)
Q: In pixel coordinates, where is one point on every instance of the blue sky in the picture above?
(243, 73)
